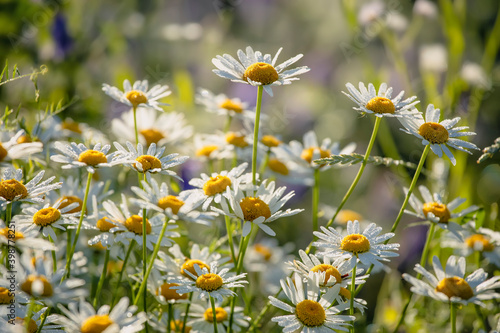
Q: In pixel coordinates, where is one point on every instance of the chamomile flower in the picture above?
(203, 320)
(310, 311)
(162, 129)
(212, 187)
(450, 284)
(17, 148)
(259, 205)
(16, 324)
(224, 106)
(47, 218)
(99, 220)
(433, 209)
(210, 282)
(381, 104)
(81, 317)
(79, 156)
(128, 227)
(211, 147)
(12, 189)
(352, 245)
(257, 69)
(439, 135)
(138, 94)
(176, 207)
(152, 161)
(22, 240)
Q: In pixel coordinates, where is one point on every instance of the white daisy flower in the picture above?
(128, 227)
(210, 282)
(178, 208)
(203, 321)
(17, 146)
(434, 209)
(449, 285)
(47, 218)
(161, 287)
(257, 69)
(212, 187)
(162, 323)
(151, 162)
(256, 204)
(483, 240)
(138, 94)
(352, 245)
(78, 155)
(310, 311)
(14, 323)
(211, 147)
(12, 189)
(381, 104)
(439, 135)
(81, 317)
(99, 220)
(224, 106)
(162, 129)
(22, 240)
(41, 282)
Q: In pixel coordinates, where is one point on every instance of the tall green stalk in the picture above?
(102, 278)
(453, 317)
(124, 268)
(214, 315)
(351, 301)
(260, 89)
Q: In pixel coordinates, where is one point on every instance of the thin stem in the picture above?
(29, 312)
(453, 317)
(135, 126)
(102, 278)
(228, 123)
(142, 288)
(214, 315)
(229, 231)
(184, 322)
(260, 89)
(82, 214)
(45, 315)
(353, 288)
(54, 257)
(315, 199)
(170, 315)
(8, 214)
(124, 268)
(264, 164)
(145, 255)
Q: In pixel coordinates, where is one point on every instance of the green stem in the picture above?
(82, 214)
(260, 89)
(45, 315)
(8, 214)
(229, 231)
(453, 317)
(360, 172)
(135, 126)
(353, 288)
(124, 268)
(214, 314)
(29, 312)
(145, 255)
(142, 288)
(102, 278)
(315, 199)
(54, 257)
(228, 123)
(170, 315)
(184, 322)
(261, 314)
(264, 164)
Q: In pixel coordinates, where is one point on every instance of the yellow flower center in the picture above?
(98, 246)
(217, 184)
(270, 141)
(105, 225)
(206, 150)
(482, 241)
(263, 250)
(5, 296)
(231, 106)
(220, 315)
(177, 326)
(253, 208)
(209, 282)
(329, 271)
(434, 133)
(310, 313)
(278, 167)
(380, 105)
(148, 162)
(345, 293)
(152, 136)
(24, 139)
(46, 216)
(32, 326)
(355, 243)
(5, 233)
(71, 126)
(136, 97)
(438, 209)
(69, 200)
(172, 202)
(170, 294)
(236, 140)
(261, 72)
(27, 285)
(455, 286)
(134, 224)
(3, 152)
(188, 265)
(11, 189)
(346, 215)
(308, 153)
(92, 157)
(96, 324)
